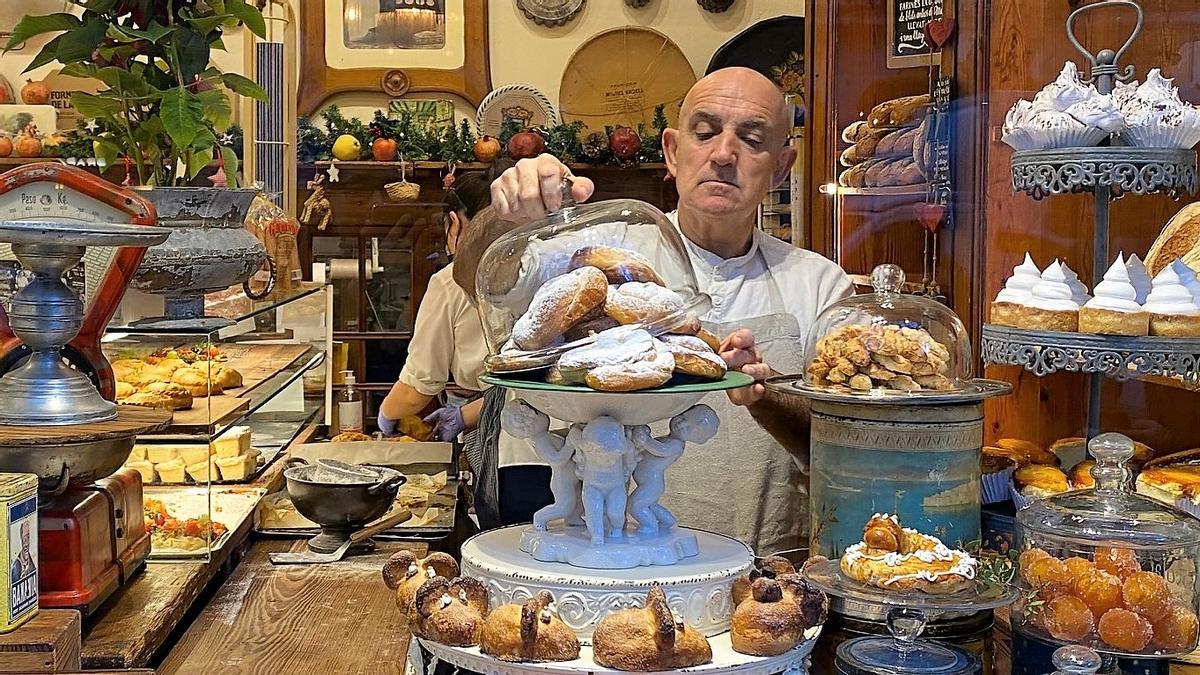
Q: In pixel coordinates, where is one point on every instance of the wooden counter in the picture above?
(334, 618)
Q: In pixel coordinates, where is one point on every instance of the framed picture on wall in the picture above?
(392, 46)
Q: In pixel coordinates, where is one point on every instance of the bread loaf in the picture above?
(1177, 240)
(898, 142)
(899, 112)
(559, 304)
(648, 639)
(619, 265)
(856, 131)
(921, 145)
(863, 150)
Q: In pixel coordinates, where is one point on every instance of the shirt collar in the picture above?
(712, 260)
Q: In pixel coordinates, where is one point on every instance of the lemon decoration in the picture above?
(347, 148)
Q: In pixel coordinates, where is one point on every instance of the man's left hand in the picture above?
(740, 353)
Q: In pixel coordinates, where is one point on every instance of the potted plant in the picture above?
(160, 114)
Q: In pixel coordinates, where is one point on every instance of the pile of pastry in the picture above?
(895, 558)
(227, 458)
(890, 147)
(1126, 302)
(774, 608)
(862, 358)
(613, 295)
(1109, 597)
(1036, 471)
(1069, 113)
(171, 383)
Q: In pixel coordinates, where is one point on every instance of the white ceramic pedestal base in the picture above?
(698, 588)
(725, 661)
(573, 546)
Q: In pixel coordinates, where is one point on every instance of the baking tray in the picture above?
(230, 506)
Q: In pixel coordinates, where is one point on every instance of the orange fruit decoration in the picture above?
(1078, 570)
(1045, 572)
(1147, 594)
(1177, 630)
(1067, 618)
(1125, 630)
(1119, 561)
(1101, 592)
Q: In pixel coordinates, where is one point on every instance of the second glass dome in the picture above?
(886, 344)
(543, 287)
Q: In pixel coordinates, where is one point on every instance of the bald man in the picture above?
(731, 147)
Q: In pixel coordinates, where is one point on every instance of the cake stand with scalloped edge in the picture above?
(725, 660)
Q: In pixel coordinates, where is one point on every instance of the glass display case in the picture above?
(239, 395)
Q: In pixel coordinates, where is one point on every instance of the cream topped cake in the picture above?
(1011, 303)
(1114, 310)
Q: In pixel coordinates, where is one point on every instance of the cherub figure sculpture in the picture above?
(697, 424)
(605, 458)
(522, 421)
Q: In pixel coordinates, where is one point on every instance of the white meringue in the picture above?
(1019, 287)
(1098, 111)
(1139, 277)
(1053, 292)
(1079, 290)
(1188, 276)
(1123, 92)
(1170, 296)
(1116, 292)
(1065, 91)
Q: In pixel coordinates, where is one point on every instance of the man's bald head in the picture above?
(746, 83)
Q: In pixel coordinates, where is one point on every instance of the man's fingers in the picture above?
(759, 371)
(738, 339)
(747, 395)
(582, 188)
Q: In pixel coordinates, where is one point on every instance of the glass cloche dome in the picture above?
(1106, 567)
(886, 344)
(545, 287)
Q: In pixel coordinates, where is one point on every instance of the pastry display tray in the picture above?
(229, 506)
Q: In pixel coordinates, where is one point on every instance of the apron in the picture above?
(743, 483)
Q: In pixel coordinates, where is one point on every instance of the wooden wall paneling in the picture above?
(1027, 46)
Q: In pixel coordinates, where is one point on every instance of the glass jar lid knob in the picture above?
(1075, 660)
(1112, 452)
(906, 625)
(887, 278)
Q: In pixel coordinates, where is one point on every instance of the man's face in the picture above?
(730, 149)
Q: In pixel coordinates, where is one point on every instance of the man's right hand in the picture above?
(533, 188)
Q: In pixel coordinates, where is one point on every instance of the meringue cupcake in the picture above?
(1099, 112)
(1139, 277)
(1054, 305)
(1115, 309)
(1065, 91)
(1155, 116)
(1015, 133)
(1012, 302)
(1050, 129)
(1174, 311)
(1079, 290)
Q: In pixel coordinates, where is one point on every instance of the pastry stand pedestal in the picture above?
(908, 613)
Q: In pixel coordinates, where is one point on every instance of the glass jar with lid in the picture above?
(887, 344)
(541, 288)
(1107, 568)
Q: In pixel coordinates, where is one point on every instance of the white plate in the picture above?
(517, 98)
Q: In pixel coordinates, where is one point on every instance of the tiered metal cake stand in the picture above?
(1106, 173)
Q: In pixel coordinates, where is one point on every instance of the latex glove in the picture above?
(447, 423)
(387, 426)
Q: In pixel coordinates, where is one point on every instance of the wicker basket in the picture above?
(403, 191)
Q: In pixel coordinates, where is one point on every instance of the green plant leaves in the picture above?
(216, 107)
(248, 15)
(231, 164)
(32, 26)
(154, 32)
(244, 86)
(78, 44)
(95, 105)
(197, 161)
(191, 50)
(181, 116)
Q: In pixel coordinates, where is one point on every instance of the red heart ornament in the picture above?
(939, 31)
(930, 216)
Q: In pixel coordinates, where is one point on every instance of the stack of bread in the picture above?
(227, 458)
(638, 334)
(171, 383)
(890, 147)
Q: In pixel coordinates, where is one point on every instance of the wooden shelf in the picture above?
(466, 166)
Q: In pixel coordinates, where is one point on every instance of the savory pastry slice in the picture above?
(528, 633)
(901, 559)
(648, 639)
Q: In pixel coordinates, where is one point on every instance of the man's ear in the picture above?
(783, 164)
(670, 144)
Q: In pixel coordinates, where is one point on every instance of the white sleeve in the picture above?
(431, 349)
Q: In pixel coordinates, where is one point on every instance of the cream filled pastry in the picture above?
(1188, 277)
(1173, 309)
(1011, 302)
(1139, 277)
(901, 559)
(1079, 290)
(1065, 91)
(1054, 305)
(1114, 310)
(1155, 116)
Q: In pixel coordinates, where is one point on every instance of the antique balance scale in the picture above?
(57, 420)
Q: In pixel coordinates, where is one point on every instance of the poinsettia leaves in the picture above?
(32, 26)
(244, 86)
(106, 151)
(191, 50)
(248, 15)
(216, 107)
(154, 32)
(48, 54)
(229, 157)
(197, 161)
(79, 43)
(95, 105)
(181, 116)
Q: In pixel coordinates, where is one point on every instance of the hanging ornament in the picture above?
(219, 179)
(939, 31)
(448, 179)
(333, 171)
(715, 6)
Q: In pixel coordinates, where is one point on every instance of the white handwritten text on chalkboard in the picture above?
(910, 19)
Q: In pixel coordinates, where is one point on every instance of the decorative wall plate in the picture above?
(715, 6)
(773, 47)
(516, 102)
(550, 12)
(617, 78)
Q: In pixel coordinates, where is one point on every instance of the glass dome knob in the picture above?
(1075, 660)
(1112, 453)
(906, 625)
(887, 278)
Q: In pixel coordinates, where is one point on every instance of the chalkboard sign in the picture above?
(906, 31)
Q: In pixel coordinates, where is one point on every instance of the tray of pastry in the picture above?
(431, 491)
(229, 459)
(185, 522)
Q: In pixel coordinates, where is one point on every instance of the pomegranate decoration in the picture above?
(525, 144)
(6, 146)
(383, 149)
(486, 149)
(28, 144)
(624, 144)
(35, 93)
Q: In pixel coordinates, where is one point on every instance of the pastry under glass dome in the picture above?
(887, 344)
(1108, 568)
(515, 267)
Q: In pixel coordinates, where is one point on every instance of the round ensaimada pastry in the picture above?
(124, 390)
(625, 358)
(648, 639)
(901, 559)
(196, 382)
(620, 265)
(181, 398)
(649, 304)
(694, 357)
(558, 305)
(528, 633)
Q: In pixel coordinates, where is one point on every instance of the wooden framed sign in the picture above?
(906, 41)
